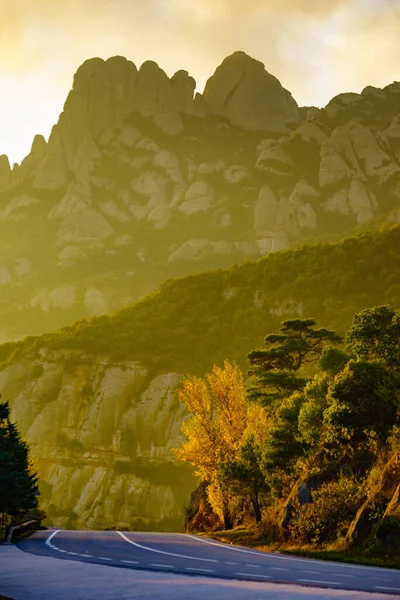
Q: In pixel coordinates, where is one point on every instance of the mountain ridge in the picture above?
(121, 198)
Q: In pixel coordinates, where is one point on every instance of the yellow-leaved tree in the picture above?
(221, 418)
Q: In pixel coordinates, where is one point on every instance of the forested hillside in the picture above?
(97, 401)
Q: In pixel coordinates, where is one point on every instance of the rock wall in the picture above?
(101, 434)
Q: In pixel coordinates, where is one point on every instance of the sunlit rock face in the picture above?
(242, 90)
(102, 434)
(142, 180)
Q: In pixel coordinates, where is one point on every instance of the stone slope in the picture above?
(142, 180)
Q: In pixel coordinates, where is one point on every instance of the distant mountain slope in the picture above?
(97, 402)
(141, 181)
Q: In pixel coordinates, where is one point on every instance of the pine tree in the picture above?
(18, 484)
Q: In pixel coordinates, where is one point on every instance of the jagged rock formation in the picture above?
(242, 90)
(142, 180)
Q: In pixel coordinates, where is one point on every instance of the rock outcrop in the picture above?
(102, 434)
(244, 92)
(141, 180)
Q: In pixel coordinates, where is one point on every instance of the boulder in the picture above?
(198, 198)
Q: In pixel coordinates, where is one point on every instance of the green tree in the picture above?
(273, 369)
(362, 400)
(375, 336)
(18, 484)
(243, 475)
(284, 444)
(311, 415)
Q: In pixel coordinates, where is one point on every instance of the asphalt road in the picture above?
(192, 555)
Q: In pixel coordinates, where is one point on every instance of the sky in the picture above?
(316, 48)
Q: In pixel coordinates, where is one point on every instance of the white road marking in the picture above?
(286, 557)
(231, 563)
(317, 581)
(344, 575)
(48, 541)
(254, 566)
(200, 570)
(281, 569)
(389, 589)
(253, 575)
(163, 551)
(130, 562)
(103, 558)
(72, 553)
(311, 572)
(163, 566)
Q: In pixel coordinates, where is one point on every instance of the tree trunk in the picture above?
(227, 519)
(256, 507)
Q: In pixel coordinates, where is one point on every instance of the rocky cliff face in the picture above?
(102, 434)
(141, 180)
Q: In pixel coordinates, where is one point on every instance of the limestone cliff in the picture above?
(102, 433)
(141, 180)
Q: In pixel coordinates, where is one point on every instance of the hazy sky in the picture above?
(317, 48)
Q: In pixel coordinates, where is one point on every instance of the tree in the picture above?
(272, 373)
(362, 400)
(214, 430)
(375, 336)
(18, 484)
(283, 445)
(243, 475)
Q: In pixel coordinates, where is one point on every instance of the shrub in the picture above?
(333, 507)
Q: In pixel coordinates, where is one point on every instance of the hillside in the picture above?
(141, 180)
(96, 401)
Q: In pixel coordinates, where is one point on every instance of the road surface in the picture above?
(192, 555)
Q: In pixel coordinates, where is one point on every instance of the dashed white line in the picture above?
(130, 562)
(72, 553)
(231, 563)
(253, 575)
(103, 558)
(254, 566)
(317, 581)
(278, 556)
(311, 572)
(278, 569)
(163, 566)
(200, 570)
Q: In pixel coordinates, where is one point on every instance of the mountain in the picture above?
(143, 180)
(97, 402)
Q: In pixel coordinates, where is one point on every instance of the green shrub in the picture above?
(332, 509)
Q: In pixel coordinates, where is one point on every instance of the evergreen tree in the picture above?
(273, 369)
(18, 485)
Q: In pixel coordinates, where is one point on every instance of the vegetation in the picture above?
(323, 468)
(191, 323)
(18, 481)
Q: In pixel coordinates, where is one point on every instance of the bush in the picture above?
(332, 509)
(388, 533)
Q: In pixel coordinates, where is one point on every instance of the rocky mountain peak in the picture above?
(5, 172)
(242, 90)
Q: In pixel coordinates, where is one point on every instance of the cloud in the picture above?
(317, 48)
